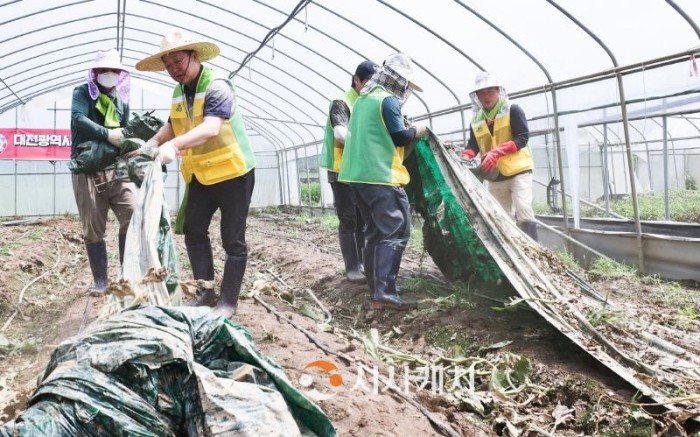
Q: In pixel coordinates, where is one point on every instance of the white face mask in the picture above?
(108, 80)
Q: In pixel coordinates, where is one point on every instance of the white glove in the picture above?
(421, 130)
(167, 152)
(114, 136)
(150, 148)
(340, 133)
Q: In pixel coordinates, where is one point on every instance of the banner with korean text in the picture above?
(35, 144)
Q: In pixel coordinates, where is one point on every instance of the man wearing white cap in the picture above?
(99, 111)
(373, 165)
(206, 127)
(500, 134)
(351, 226)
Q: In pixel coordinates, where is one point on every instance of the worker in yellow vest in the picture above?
(351, 227)
(500, 134)
(373, 166)
(206, 127)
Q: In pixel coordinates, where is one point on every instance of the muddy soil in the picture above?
(296, 269)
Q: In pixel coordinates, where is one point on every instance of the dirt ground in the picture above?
(296, 269)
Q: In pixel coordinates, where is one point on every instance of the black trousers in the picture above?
(232, 198)
(386, 212)
(349, 217)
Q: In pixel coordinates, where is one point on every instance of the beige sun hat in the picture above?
(175, 41)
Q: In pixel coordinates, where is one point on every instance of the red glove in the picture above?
(468, 154)
(491, 159)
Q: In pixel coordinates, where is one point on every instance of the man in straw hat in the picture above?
(206, 127)
(373, 165)
(351, 227)
(99, 111)
(500, 134)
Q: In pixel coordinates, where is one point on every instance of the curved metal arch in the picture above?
(71, 74)
(57, 50)
(425, 105)
(58, 24)
(62, 59)
(426, 28)
(625, 126)
(251, 104)
(646, 146)
(272, 125)
(274, 141)
(53, 69)
(271, 34)
(692, 123)
(232, 60)
(685, 16)
(324, 34)
(165, 23)
(281, 98)
(305, 84)
(261, 86)
(40, 11)
(49, 89)
(225, 43)
(156, 81)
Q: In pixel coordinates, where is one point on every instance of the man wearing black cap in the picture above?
(351, 226)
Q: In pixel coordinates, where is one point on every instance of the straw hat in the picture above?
(108, 59)
(402, 65)
(175, 41)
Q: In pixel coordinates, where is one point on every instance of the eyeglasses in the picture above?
(175, 63)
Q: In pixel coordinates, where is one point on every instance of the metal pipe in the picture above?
(667, 213)
(589, 78)
(606, 174)
(625, 126)
(591, 204)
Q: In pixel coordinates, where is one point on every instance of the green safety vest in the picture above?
(370, 156)
(332, 152)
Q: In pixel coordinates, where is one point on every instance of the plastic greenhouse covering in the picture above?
(567, 63)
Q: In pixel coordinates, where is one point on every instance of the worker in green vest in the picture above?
(500, 134)
(351, 227)
(373, 165)
(206, 128)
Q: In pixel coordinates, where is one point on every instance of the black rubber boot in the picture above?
(395, 272)
(385, 296)
(360, 243)
(231, 285)
(122, 245)
(530, 228)
(369, 268)
(348, 247)
(202, 262)
(97, 256)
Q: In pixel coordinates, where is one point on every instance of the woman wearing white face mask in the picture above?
(99, 112)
